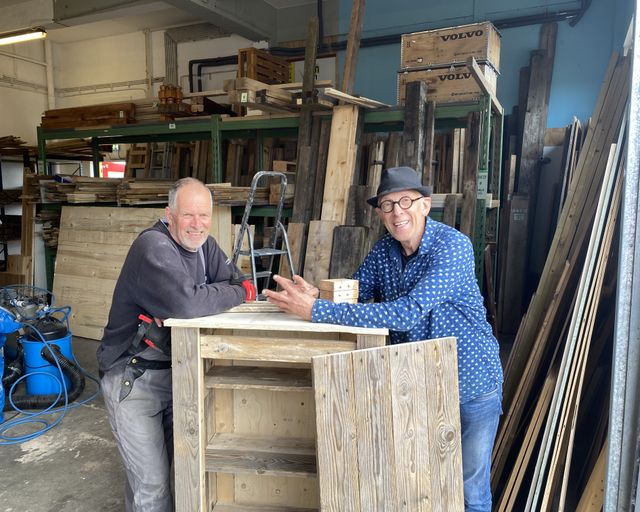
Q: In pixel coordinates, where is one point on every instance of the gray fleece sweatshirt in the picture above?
(161, 279)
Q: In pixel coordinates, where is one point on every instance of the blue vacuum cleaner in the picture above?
(42, 355)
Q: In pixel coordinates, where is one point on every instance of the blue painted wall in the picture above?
(582, 51)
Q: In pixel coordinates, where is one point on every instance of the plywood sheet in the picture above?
(388, 428)
(93, 244)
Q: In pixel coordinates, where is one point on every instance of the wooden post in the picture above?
(188, 431)
(353, 45)
(470, 176)
(413, 137)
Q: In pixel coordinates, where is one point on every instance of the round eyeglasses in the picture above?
(405, 202)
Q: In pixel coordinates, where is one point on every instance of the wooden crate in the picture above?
(244, 408)
(451, 45)
(447, 84)
(262, 66)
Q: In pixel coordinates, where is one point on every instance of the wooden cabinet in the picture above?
(244, 410)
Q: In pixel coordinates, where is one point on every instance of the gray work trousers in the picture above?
(141, 416)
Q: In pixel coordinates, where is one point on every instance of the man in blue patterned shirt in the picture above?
(422, 279)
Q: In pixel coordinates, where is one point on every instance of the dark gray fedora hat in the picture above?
(396, 179)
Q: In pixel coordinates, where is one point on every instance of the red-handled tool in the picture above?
(249, 290)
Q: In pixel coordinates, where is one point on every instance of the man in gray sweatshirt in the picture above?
(174, 269)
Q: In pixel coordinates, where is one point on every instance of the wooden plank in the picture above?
(411, 451)
(450, 210)
(535, 117)
(337, 453)
(592, 497)
(514, 272)
(271, 322)
(413, 136)
(353, 45)
(269, 456)
(484, 85)
(288, 350)
(189, 436)
(374, 424)
(387, 425)
(319, 246)
(443, 424)
(353, 100)
(250, 377)
(296, 231)
(233, 507)
(348, 250)
(340, 163)
(470, 176)
(429, 137)
(321, 167)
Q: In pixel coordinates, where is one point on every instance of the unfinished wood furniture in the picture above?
(244, 415)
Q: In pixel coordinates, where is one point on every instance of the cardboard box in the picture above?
(452, 45)
(447, 84)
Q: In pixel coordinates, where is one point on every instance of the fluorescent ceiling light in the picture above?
(22, 35)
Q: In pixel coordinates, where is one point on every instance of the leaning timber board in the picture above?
(92, 246)
(388, 428)
(341, 162)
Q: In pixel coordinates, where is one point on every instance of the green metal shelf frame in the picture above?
(447, 116)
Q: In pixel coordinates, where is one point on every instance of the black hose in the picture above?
(69, 368)
(13, 370)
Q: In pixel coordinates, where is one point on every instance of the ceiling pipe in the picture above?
(572, 16)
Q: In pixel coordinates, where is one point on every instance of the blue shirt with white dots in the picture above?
(435, 295)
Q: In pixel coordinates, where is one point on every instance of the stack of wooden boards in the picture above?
(131, 192)
(250, 93)
(556, 390)
(90, 116)
(92, 245)
(439, 58)
(10, 144)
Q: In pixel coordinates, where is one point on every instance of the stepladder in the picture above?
(262, 259)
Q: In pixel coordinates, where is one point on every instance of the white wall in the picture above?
(23, 90)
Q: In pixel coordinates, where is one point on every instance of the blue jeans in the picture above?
(479, 421)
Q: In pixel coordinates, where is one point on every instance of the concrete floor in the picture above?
(74, 467)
